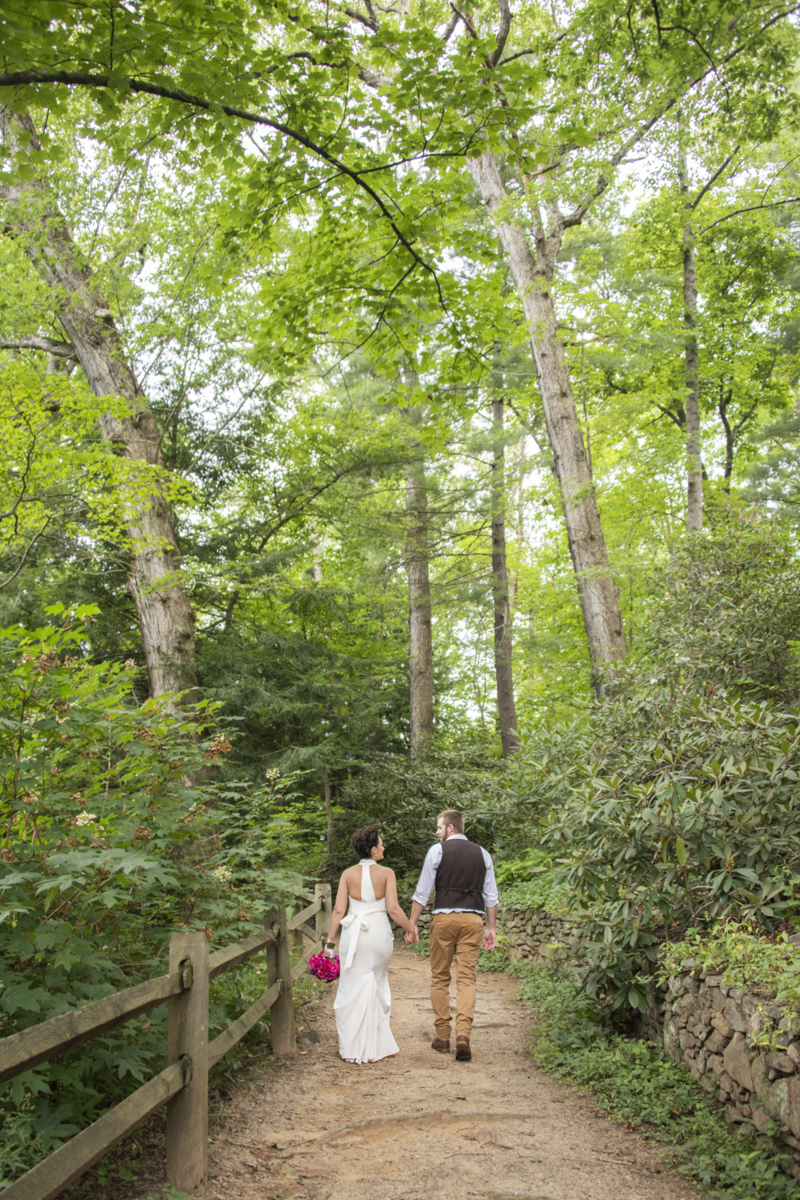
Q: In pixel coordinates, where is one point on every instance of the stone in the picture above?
(759, 1072)
(719, 1023)
(687, 1040)
(717, 1042)
(793, 1051)
(737, 1063)
(761, 1118)
(726, 1083)
(713, 981)
(784, 1103)
(733, 1114)
(715, 1064)
(782, 1063)
(733, 1015)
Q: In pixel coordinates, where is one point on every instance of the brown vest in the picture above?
(460, 876)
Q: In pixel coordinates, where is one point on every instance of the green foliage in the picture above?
(403, 798)
(727, 611)
(633, 1081)
(744, 957)
(113, 837)
(531, 882)
(675, 805)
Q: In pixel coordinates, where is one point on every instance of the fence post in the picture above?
(298, 935)
(279, 966)
(323, 917)
(187, 1038)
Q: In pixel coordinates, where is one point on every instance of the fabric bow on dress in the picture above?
(360, 918)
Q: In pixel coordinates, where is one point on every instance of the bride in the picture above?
(363, 1001)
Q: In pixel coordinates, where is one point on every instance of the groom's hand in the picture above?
(412, 937)
(489, 939)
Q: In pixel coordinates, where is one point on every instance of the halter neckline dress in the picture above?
(363, 1002)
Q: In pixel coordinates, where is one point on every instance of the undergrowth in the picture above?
(532, 881)
(743, 956)
(634, 1082)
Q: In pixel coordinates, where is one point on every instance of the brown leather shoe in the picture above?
(441, 1045)
(463, 1052)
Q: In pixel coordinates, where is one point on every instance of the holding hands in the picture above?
(412, 936)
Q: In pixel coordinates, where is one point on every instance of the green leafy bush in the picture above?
(404, 797)
(676, 804)
(728, 610)
(113, 836)
(530, 881)
(685, 812)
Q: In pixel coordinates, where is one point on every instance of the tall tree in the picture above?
(533, 275)
(420, 616)
(694, 464)
(32, 216)
(506, 708)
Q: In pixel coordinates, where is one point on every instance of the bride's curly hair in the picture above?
(363, 840)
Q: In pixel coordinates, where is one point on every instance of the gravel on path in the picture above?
(421, 1126)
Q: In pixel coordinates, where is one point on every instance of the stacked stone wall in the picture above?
(742, 1049)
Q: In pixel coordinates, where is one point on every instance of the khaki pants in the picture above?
(459, 934)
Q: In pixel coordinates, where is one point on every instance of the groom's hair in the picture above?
(451, 817)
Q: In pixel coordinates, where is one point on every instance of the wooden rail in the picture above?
(183, 1085)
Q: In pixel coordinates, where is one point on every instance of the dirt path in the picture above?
(421, 1125)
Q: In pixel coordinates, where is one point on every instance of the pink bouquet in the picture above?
(324, 968)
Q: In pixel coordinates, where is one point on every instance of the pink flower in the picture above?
(326, 969)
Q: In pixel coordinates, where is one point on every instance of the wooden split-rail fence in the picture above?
(183, 1085)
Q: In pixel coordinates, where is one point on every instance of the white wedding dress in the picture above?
(363, 1002)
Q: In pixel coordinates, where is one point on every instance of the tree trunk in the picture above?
(694, 465)
(506, 709)
(420, 669)
(533, 276)
(326, 790)
(165, 615)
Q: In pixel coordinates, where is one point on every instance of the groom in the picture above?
(463, 875)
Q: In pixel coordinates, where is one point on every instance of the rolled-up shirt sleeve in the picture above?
(427, 878)
(490, 894)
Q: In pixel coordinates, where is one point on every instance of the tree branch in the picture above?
(357, 16)
(46, 344)
(138, 86)
(27, 551)
(710, 183)
(750, 208)
(502, 32)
